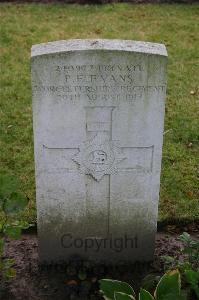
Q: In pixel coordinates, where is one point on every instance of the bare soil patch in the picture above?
(41, 282)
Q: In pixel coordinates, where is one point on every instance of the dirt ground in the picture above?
(72, 282)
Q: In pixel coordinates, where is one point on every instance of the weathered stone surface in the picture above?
(98, 114)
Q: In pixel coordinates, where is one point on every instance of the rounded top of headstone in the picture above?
(98, 44)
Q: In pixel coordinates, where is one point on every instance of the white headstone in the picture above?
(98, 114)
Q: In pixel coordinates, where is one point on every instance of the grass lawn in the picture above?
(175, 25)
